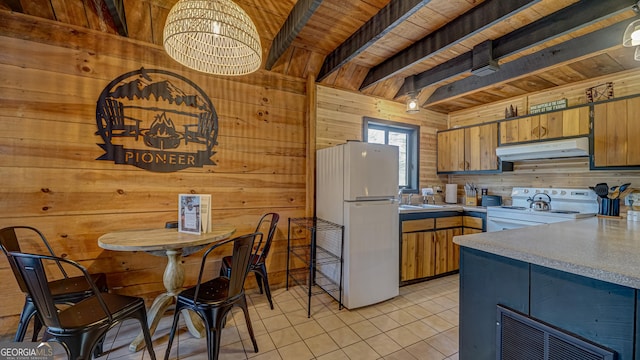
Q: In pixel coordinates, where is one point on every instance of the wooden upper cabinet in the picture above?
(519, 130)
(480, 147)
(554, 125)
(616, 125)
(575, 122)
(451, 150)
(468, 149)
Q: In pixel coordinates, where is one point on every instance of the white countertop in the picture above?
(602, 249)
(415, 208)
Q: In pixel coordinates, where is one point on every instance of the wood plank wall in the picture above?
(52, 75)
(548, 173)
(340, 118)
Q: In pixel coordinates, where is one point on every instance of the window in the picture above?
(405, 137)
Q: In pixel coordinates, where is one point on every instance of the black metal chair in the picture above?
(213, 299)
(66, 290)
(259, 256)
(82, 326)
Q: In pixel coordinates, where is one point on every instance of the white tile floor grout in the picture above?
(420, 323)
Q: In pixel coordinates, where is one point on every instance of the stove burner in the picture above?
(514, 207)
(564, 212)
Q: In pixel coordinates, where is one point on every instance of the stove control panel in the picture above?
(565, 199)
(556, 194)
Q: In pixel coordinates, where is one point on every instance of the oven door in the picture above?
(499, 223)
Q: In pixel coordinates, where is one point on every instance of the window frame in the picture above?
(413, 147)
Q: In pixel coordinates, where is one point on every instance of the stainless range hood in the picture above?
(545, 149)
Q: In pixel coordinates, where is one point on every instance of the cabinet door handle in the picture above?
(543, 132)
(534, 132)
(467, 165)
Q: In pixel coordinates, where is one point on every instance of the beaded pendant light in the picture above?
(212, 36)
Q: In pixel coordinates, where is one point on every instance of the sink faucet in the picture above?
(400, 196)
(425, 199)
(409, 199)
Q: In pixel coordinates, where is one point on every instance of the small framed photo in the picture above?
(189, 213)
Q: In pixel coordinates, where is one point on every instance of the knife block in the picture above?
(471, 200)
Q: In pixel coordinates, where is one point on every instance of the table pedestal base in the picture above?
(173, 281)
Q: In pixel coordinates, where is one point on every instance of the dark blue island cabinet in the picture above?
(598, 312)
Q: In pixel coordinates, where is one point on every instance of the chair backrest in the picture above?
(242, 251)
(9, 243)
(269, 220)
(32, 271)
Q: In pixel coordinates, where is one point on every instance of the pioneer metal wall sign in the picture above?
(156, 120)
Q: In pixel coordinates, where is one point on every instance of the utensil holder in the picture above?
(610, 207)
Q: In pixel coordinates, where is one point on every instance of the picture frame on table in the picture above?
(194, 213)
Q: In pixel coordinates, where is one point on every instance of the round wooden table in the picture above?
(173, 245)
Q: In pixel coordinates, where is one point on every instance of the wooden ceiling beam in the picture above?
(111, 12)
(13, 5)
(390, 16)
(561, 22)
(567, 51)
(297, 19)
(466, 25)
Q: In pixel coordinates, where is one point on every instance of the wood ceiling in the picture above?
(384, 48)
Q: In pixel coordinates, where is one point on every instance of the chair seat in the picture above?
(88, 312)
(75, 288)
(213, 292)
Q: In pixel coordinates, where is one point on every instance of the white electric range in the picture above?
(564, 205)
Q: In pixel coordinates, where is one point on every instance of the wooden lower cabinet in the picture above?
(429, 251)
(417, 249)
(447, 254)
(471, 225)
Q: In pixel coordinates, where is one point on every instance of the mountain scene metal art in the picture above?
(156, 120)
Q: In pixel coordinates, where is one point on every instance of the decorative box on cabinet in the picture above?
(315, 249)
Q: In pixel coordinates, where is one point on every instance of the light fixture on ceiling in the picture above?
(412, 95)
(412, 103)
(631, 35)
(212, 36)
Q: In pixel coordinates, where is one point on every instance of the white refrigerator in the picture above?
(356, 186)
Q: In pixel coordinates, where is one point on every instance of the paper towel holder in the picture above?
(451, 194)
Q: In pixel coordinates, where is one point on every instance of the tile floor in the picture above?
(421, 323)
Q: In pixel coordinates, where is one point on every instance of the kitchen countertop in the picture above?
(414, 208)
(602, 249)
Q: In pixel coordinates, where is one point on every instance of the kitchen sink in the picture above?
(421, 206)
(430, 206)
